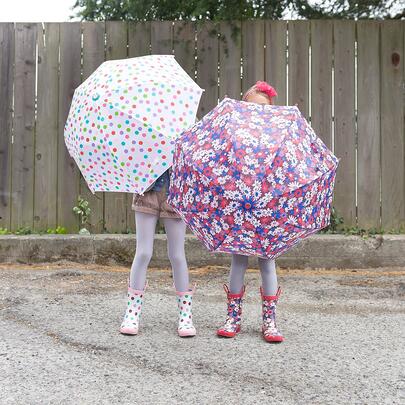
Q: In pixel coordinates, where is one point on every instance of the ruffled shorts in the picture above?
(154, 202)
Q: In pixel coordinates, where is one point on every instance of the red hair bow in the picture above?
(267, 89)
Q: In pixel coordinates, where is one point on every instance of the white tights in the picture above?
(267, 270)
(145, 234)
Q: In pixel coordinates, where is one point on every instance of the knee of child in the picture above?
(266, 266)
(144, 255)
(176, 258)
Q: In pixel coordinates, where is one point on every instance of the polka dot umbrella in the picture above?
(124, 120)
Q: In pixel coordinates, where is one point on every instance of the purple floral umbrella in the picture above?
(252, 179)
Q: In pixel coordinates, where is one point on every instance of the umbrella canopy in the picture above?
(252, 179)
(124, 119)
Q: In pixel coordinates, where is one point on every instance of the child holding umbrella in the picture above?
(148, 208)
(260, 93)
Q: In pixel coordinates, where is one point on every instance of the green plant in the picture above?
(335, 222)
(24, 230)
(365, 233)
(4, 231)
(83, 211)
(59, 230)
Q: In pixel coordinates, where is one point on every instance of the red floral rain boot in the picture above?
(232, 324)
(269, 328)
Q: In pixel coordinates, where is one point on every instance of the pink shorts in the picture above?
(154, 202)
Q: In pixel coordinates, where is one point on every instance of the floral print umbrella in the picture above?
(124, 119)
(252, 179)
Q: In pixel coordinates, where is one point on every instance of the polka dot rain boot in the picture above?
(233, 320)
(270, 331)
(185, 305)
(130, 323)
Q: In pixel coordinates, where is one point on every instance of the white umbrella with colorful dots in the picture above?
(124, 120)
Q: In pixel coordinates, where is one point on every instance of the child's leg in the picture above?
(234, 296)
(145, 233)
(176, 232)
(269, 276)
(237, 274)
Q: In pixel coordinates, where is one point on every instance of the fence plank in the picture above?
(93, 57)
(6, 105)
(252, 52)
(115, 204)
(69, 79)
(207, 68)
(298, 65)
(46, 137)
(22, 201)
(138, 38)
(161, 37)
(276, 58)
(392, 126)
(230, 54)
(184, 46)
(368, 127)
(344, 120)
(321, 79)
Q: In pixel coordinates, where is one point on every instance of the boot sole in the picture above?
(225, 334)
(274, 339)
(128, 332)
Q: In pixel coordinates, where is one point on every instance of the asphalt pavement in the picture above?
(59, 340)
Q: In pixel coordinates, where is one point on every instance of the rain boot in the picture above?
(232, 324)
(269, 328)
(130, 323)
(185, 306)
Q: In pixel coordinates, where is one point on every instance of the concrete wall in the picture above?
(317, 251)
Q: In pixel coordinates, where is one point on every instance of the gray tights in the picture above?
(145, 233)
(267, 270)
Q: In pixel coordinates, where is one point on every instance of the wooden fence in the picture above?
(347, 77)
